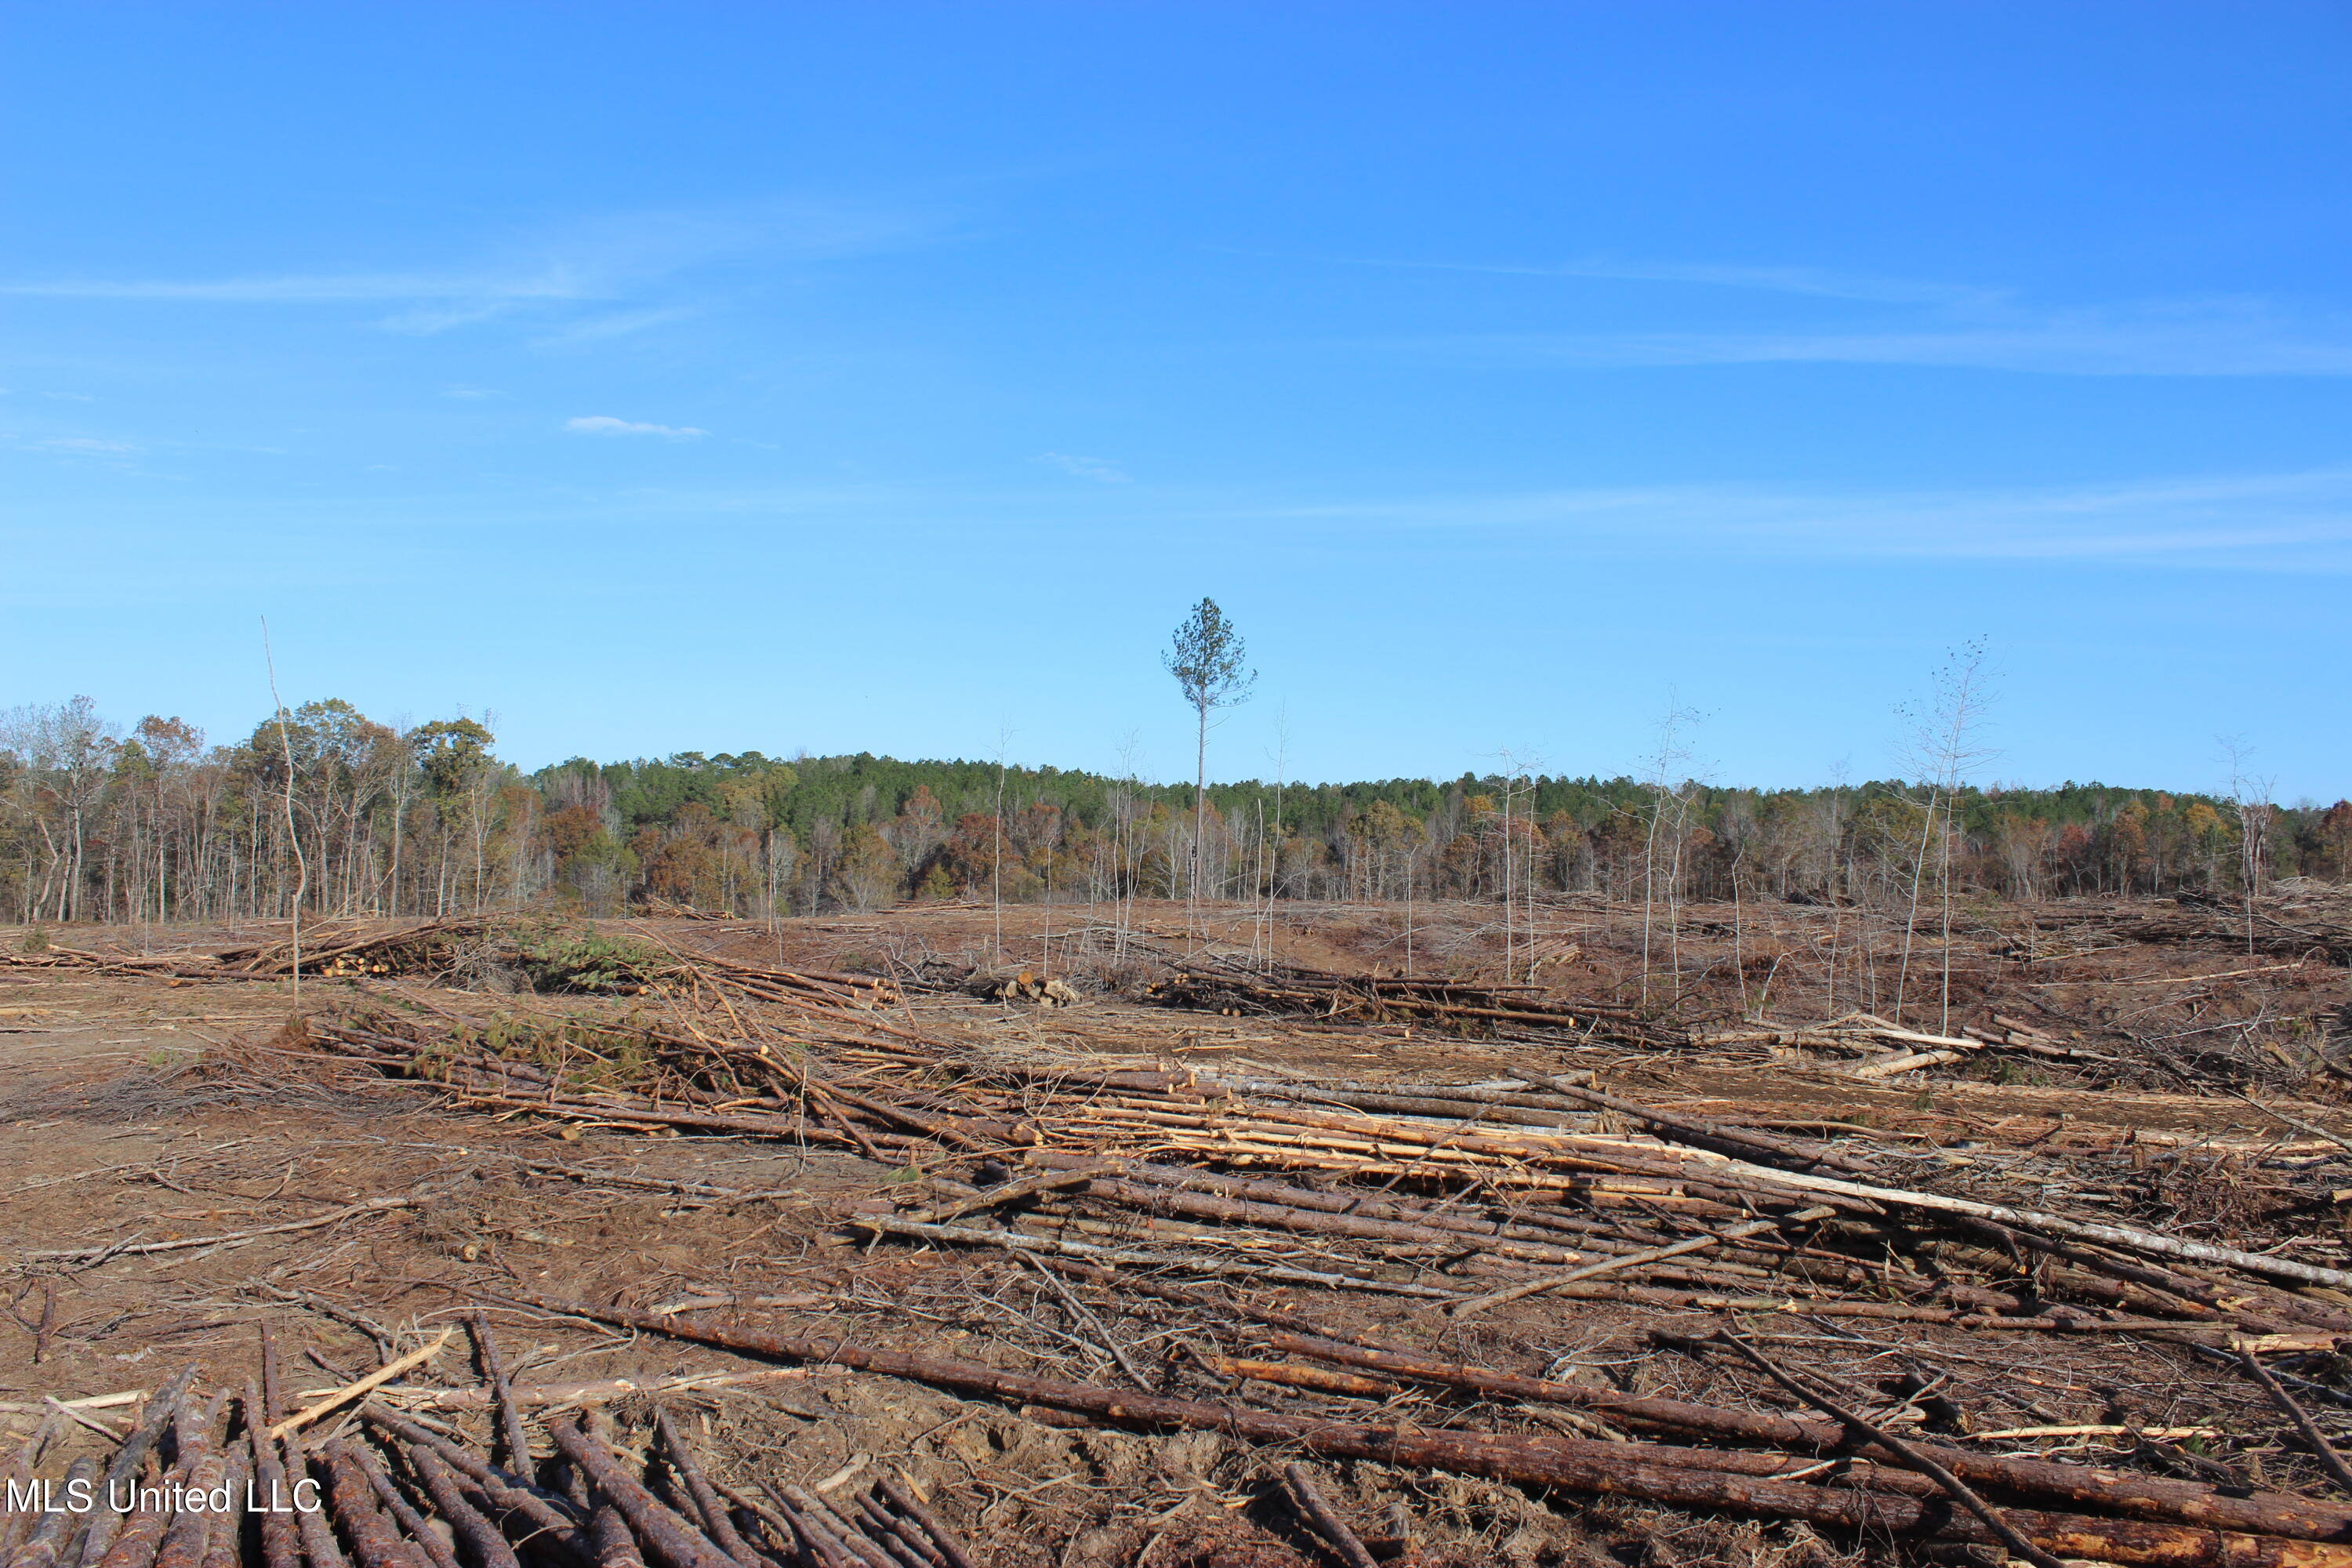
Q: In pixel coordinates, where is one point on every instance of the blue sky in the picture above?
(892, 378)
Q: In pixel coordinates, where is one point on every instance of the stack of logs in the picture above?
(1886, 1048)
(1029, 986)
(434, 948)
(424, 948)
(2258, 930)
(1844, 1473)
(1237, 987)
(1126, 1176)
(1550, 1183)
(226, 1480)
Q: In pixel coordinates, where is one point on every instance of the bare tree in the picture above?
(1127, 815)
(996, 862)
(403, 747)
(2251, 798)
(1833, 837)
(286, 743)
(1517, 765)
(776, 875)
(75, 749)
(1945, 745)
(1210, 662)
(1669, 790)
(1412, 871)
(1272, 857)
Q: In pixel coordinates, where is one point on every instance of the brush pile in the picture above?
(2276, 932)
(55, 956)
(433, 949)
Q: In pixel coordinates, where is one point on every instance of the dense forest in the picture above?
(350, 816)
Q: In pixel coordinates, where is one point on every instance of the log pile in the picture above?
(1826, 1474)
(1886, 1048)
(1488, 1194)
(2277, 931)
(1238, 1197)
(2269, 933)
(1481, 1183)
(226, 1478)
(364, 950)
(1871, 1047)
(426, 948)
(1129, 1178)
(155, 966)
(545, 956)
(1237, 987)
(669, 910)
(1240, 987)
(820, 990)
(1028, 986)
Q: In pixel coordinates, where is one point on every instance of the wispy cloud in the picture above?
(1102, 471)
(603, 260)
(2213, 345)
(1822, 315)
(653, 244)
(2299, 522)
(605, 425)
(434, 302)
(1814, 281)
(309, 289)
(430, 321)
(116, 454)
(86, 446)
(618, 323)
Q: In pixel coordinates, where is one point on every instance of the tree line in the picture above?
(156, 822)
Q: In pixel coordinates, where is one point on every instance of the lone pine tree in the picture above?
(1208, 658)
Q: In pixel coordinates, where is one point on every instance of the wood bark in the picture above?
(1610, 1469)
(676, 1543)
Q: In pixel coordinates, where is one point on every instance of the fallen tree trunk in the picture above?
(2117, 1235)
(2141, 1496)
(1740, 1142)
(1015, 1241)
(1290, 1195)
(675, 1540)
(1174, 1201)
(1619, 1470)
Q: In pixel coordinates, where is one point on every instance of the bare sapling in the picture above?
(1666, 794)
(2249, 799)
(1519, 859)
(293, 837)
(996, 864)
(1273, 852)
(1739, 946)
(1507, 782)
(1945, 745)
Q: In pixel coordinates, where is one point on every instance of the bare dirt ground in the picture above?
(138, 1113)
